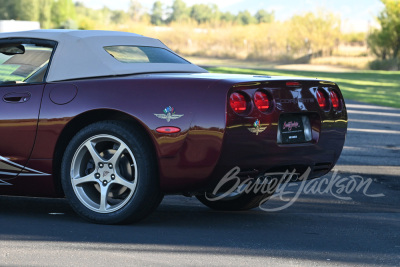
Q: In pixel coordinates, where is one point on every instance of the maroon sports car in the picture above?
(113, 121)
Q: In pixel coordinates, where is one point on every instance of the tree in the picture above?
(7, 10)
(314, 32)
(227, 16)
(119, 16)
(135, 10)
(263, 16)
(379, 41)
(45, 13)
(385, 43)
(31, 10)
(180, 12)
(63, 13)
(245, 18)
(157, 13)
(201, 13)
(19, 10)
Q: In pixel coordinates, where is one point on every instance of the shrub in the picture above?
(385, 64)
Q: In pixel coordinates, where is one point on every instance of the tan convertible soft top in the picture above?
(81, 54)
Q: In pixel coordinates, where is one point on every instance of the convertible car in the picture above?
(113, 121)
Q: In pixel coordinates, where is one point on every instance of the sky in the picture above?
(356, 15)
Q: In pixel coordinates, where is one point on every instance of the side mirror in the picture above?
(12, 49)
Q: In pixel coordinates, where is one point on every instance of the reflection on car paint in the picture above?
(12, 169)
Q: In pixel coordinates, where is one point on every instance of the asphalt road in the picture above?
(336, 228)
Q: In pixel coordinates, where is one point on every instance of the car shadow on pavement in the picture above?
(314, 228)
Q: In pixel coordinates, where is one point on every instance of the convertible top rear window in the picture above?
(143, 54)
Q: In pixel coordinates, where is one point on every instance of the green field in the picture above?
(6, 73)
(376, 87)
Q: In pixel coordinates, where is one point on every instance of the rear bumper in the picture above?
(259, 154)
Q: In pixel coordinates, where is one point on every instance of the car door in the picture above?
(19, 111)
(23, 65)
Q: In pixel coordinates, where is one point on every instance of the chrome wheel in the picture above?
(104, 173)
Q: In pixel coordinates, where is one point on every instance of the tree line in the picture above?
(306, 33)
(50, 13)
(204, 13)
(67, 14)
(385, 42)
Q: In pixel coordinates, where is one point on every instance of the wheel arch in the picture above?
(82, 120)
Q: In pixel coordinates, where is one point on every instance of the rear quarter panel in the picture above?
(184, 159)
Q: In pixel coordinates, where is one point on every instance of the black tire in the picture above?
(109, 173)
(241, 202)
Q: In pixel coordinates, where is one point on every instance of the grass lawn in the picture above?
(375, 87)
(5, 73)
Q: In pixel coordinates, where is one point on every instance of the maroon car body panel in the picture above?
(213, 139)
(19, 116)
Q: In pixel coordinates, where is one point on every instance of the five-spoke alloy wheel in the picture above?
(109, 173)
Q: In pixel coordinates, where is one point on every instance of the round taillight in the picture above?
(238, 102)
(335, 100)
(322, 99)
(261, 100)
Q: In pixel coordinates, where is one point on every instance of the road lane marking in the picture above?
(373, 131)
(373, 113)
(351, 106)
(377, 122)
(372, 170)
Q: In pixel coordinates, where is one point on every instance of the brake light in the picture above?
(261, 100)
(321, 99)
(238, 102)
(335, 100)
(295, 84)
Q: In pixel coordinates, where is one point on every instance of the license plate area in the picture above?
(294, 129)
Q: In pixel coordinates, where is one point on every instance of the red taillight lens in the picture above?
(293, 84)
(321, 99)
(262, 101)
(238, 102)
(335, 100)
(168, 129)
